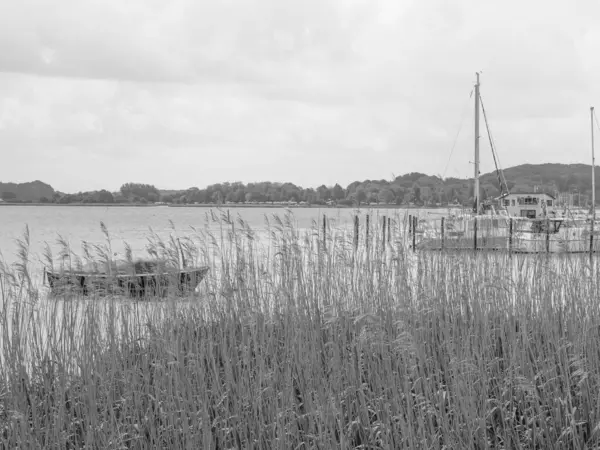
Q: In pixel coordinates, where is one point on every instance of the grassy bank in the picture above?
(297, 344)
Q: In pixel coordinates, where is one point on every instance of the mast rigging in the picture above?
(476, 177)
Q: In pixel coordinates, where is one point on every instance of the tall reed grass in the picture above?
(300, 342)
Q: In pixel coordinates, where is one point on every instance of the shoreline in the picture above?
(232, 205)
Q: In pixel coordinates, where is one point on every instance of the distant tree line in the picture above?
(413, 188)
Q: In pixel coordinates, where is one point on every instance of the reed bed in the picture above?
(299, 340)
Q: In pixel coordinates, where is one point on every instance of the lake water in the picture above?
(132, 224)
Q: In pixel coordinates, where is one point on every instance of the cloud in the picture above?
(186, 93)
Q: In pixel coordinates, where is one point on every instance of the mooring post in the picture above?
(383, 236)
(510, 236)
(367, 232)
(356, 231)
(324, 232)
(389, 230)
(547, 235)
(592, 236)
(410, 224)
(414, 234)
(475, 233)
(442, 241)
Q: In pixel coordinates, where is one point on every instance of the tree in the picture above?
(104, 196)
(131, 190)
(490, 191)
(416, 193)
(119, 198)
(217, 197)
(323, 193)
(360, 196)
(426, 193)
(338, 192)
(386, 196)
(310, 196)
(231, 197)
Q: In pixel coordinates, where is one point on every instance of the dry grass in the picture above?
(299, 345)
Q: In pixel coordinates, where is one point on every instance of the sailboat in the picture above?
(485, 227)
(490, 228)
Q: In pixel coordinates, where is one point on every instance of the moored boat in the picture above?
(142, 278)
(525, 222)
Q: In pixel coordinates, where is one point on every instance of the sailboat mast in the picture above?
(476, 177)
(593, 167)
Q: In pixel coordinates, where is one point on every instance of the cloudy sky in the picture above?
(180, 93)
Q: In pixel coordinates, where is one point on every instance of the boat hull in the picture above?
(135, 285)
(524, 236)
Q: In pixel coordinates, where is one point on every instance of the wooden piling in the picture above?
(475, 233)
(389, 230)
(547, 235)
(442, 235)
(510, 236)
(367, 232)
(592, 236)
(383, 232)
(324, 232)
(414, 233)
(356, 231)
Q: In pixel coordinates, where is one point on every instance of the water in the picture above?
(132, 224)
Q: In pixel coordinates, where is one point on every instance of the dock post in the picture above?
(592, 236)
(410, 224)
(356, 232)
(384, 230)
(510, 236)
(389, 230)
(442, 239)
(475, 233)
(367, 232)
(547, 235)
(414, 233)
(324, 232)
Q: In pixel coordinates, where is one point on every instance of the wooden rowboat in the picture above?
(138, 279)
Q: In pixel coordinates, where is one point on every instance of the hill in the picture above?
(33, 191)
(551, 177)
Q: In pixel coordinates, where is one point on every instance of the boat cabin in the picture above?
(531, 205)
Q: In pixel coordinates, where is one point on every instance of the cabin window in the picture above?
(529, 213)
(506, 202)
(513, 202)
(548, 202)
(530, 201)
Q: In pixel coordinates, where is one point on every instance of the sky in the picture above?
(182, 93)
